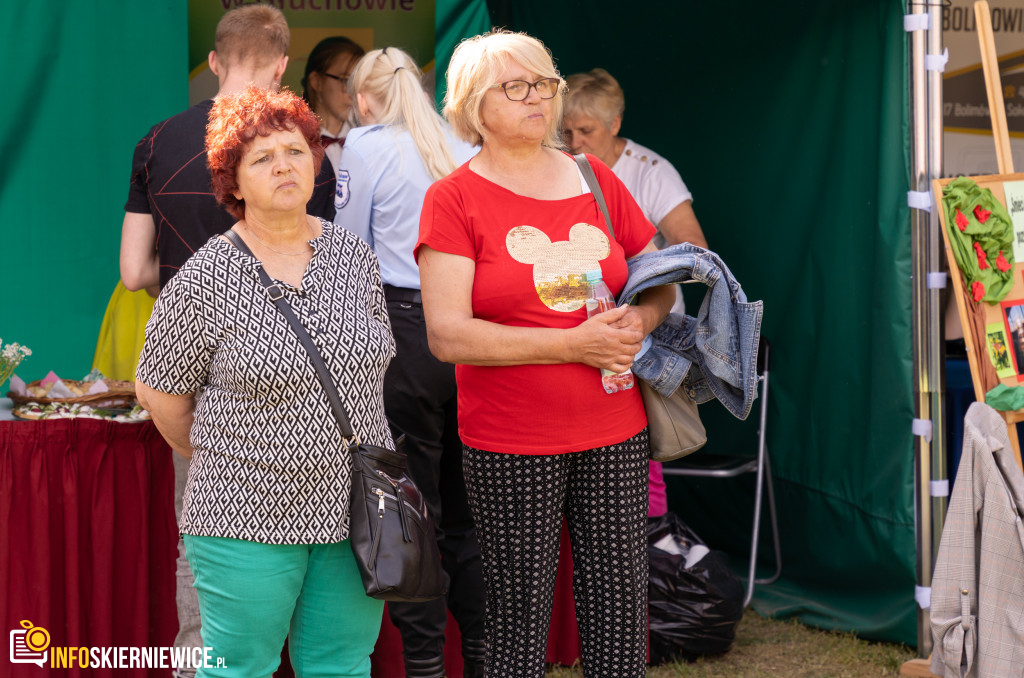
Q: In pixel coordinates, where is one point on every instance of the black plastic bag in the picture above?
(693, 611)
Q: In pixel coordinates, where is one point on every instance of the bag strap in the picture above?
(276, 295)
(595, 188)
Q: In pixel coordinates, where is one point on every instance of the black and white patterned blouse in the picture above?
(268, 464)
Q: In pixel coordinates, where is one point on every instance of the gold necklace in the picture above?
(287, 254)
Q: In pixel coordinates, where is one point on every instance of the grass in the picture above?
(767, 648)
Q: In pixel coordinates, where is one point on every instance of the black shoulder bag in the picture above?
(390, 531)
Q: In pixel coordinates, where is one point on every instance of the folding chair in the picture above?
(729, 467)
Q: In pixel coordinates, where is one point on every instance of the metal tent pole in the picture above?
(935, 259)
(926, 164)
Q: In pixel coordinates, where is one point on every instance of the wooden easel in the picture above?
(974, 317)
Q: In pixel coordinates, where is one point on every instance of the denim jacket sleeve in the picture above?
(712, 355)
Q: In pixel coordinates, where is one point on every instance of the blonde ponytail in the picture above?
(391, 78)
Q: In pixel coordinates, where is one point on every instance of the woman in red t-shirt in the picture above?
(505, 242)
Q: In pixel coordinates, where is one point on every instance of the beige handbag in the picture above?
(673, 423)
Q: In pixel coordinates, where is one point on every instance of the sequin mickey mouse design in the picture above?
(559, 268)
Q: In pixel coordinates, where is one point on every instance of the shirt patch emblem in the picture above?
(342, 194)
(559, 268)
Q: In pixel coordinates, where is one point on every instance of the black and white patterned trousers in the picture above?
(518, 501)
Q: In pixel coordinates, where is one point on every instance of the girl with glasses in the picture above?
(325, 89)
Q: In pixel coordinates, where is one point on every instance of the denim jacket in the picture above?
(713, 355)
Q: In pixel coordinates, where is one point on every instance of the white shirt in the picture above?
(381, 185)
(654, 182)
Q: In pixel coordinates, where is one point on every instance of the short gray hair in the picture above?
(595, 94)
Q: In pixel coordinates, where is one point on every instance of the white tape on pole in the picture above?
(939, 488)
(923, 596)
(915, 22)
(923, 428)
(921, 200)
(936, 62)
(937, 281)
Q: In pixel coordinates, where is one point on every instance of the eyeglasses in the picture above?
(518, 90)
(332, 76)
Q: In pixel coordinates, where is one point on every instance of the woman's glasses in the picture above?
(332, 76)
(517, 90)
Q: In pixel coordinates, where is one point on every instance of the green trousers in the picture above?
(253, 595)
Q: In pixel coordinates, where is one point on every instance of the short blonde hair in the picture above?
(477, 62)
(595, 94)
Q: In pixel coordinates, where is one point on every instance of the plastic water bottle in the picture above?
(600, 299)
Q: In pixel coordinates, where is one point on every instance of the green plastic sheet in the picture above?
(90, 79)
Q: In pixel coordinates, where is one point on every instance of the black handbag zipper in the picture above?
(379, 528)
(406, 535)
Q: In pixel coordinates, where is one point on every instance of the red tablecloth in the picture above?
(88, 544)
(88, 541)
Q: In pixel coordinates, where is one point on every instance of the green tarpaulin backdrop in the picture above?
(790, 131)
(87, 81)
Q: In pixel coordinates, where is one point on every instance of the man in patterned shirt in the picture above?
(171, 210)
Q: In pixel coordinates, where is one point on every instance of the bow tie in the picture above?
(326, 141)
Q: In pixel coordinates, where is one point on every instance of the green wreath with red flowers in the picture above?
(981, 235)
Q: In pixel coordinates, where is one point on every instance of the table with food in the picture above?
(93, 397)
(87, 503)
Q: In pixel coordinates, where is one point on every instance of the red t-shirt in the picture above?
(531, 256)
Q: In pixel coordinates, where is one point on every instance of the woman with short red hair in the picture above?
(265, 516)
